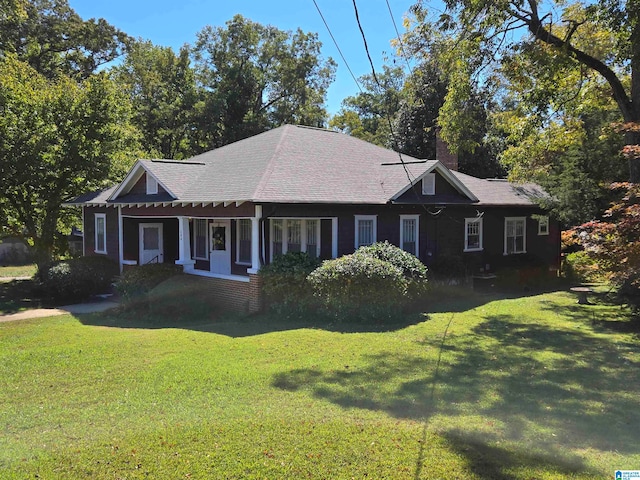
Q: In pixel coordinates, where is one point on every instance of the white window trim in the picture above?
(206, 240)
(524, 235)
(359, 218)
(544, 220)
(467, 221)
(152, 185)
(429, 184)
(303, 234)
(238, 262)
(103, 216)
(417, 219)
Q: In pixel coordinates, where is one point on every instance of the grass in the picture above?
(481, 387)
(17, 271)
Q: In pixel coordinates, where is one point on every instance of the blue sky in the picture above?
(176, 22)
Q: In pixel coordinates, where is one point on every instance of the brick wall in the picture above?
(245, 297)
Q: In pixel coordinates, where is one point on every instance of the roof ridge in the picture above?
(270, 164)
(179, 162)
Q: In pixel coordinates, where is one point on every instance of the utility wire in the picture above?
(400, 42)
(388, 117)
(336, 44)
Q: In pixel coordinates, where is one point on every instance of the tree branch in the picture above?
(619, 93)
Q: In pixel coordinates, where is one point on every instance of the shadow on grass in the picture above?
(604, 314)
(17, 295)
(492, 462)
(547, 389)
(238, 325)
(196, 311)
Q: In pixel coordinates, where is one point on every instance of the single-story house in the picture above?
(225, 213)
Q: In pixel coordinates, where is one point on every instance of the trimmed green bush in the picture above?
(138, 281)
(77, 278)
(412, 268)
(285, 283)
(360, 287)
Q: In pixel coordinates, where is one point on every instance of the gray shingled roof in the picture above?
(294, 164)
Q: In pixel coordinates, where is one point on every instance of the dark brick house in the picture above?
(224, 213)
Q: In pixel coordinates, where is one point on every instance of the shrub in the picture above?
(77, 278)
(448, 267)
(285, 282)
(412, 268)
(581, 267)
(138, 281)
(360, 287)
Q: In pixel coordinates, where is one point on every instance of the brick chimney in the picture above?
(450, 160)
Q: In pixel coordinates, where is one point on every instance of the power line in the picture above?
(386, 113)
(401, 43)
(336, 44)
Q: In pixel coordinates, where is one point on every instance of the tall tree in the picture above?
(162, 89)
(258, 77)
(483, 32)
(58, 139)
(51, 37)
(368, 114)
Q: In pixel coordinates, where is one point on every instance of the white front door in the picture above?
(220, 246)
(151, 243)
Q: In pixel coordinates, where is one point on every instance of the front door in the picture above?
(151, 243)
(220, 247)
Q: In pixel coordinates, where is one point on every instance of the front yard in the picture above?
(482, 388)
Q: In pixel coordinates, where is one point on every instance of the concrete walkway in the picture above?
(78, 309)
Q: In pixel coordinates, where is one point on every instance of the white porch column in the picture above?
(334, 237)
(255, 241)
(184, 243)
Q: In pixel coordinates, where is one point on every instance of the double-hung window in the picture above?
(366, 230)
(313, 238)
(409, 233)
(295, 235)
(200, 250)
(473, 234)
(101, 233)
(515, 235)
(543, 226)
(243, 234)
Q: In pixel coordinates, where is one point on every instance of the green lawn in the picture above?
(18, 271)
(483, 388)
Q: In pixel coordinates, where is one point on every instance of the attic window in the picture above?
(152, 185)
(429, 184)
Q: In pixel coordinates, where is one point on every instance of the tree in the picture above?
(368, 114)
(58, 139)
(614, 241)
(163, 93)
(482, 33)
(258, 77)
(52, 38)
